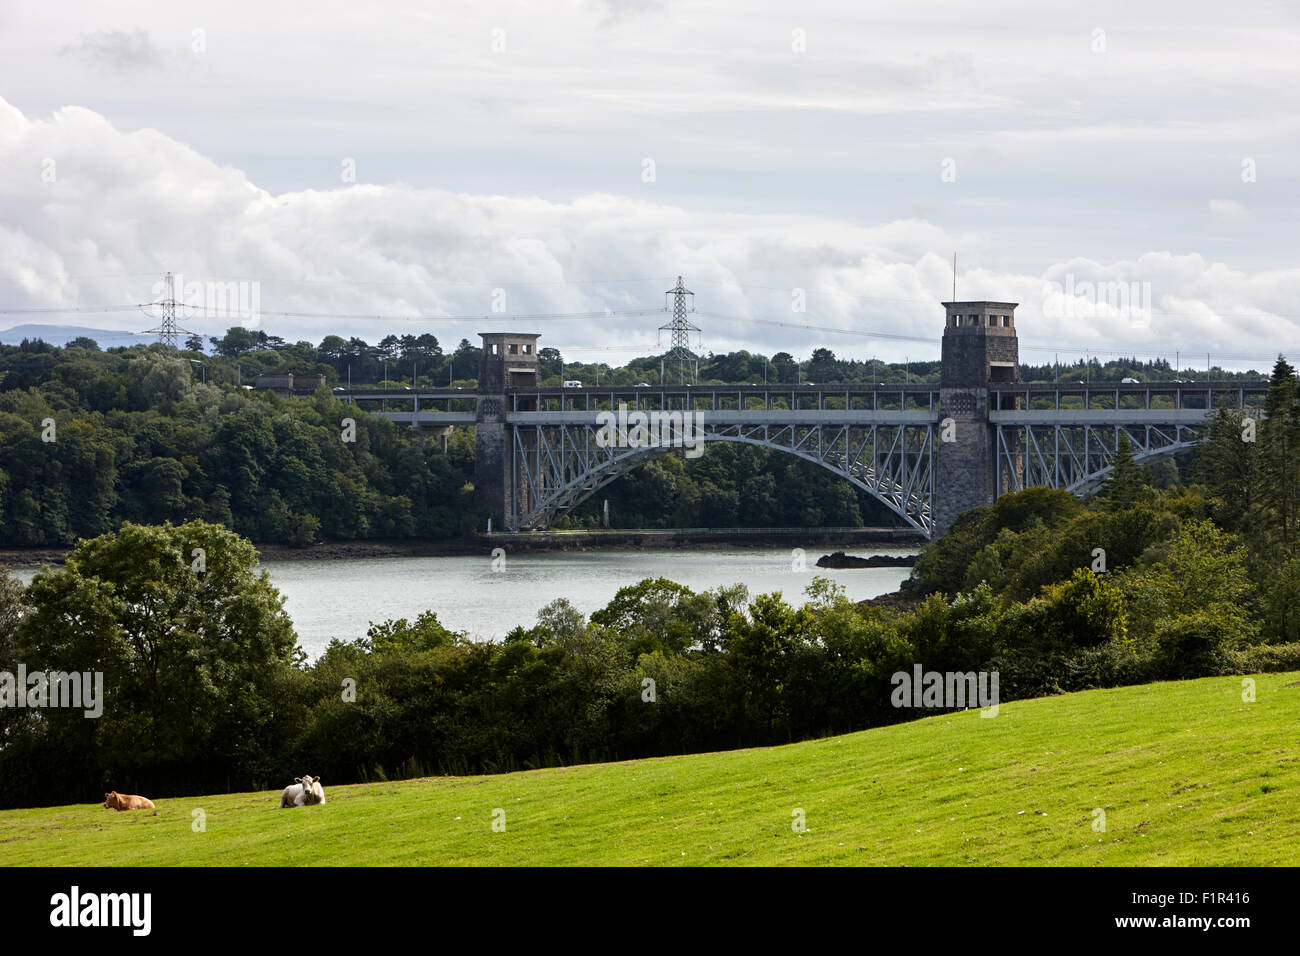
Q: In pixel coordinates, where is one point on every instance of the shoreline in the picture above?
(540, 542)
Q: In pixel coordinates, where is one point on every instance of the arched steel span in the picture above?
(557, 467)
(887, 440)
(1079, 458)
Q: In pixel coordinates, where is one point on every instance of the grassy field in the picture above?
(1187, 773)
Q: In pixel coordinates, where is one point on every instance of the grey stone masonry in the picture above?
(509, 360)
(979, 348)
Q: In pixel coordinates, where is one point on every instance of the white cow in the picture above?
(305, 791)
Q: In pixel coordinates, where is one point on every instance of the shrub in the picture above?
(1195, 645)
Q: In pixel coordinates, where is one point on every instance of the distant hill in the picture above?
(63, 334)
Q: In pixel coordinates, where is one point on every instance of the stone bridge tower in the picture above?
(509, 360)
(979, 349)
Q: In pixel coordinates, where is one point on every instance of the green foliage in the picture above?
(1085, 611)
(1252, 471)
(1051, 507)
(647, 617)
(1281, 602)
(1200, 570)
(1230, 465)
(1018, 545)
(942, 566)
(191, 641)
(1195, 644)
(138, 439)
(425, 634)
(733, 485)
(1279, 453)
(1124, 485)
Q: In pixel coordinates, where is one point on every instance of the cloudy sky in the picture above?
(408, 160)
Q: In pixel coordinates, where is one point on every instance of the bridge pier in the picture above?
(509, 361)
(979, 348)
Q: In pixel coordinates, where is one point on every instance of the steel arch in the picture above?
(1080, 457)
(554, 468)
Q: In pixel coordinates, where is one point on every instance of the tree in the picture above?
(1279, 453)
(427, 633)
(1125, 483)
(12, 610)
(427, 347)
(823, 367)
(192, 641)
(1200, 569)
(332, 349)
(762, 649)
(786, 368)
(1230, 465)
(389, 348)
(237, 341)
(466, 359)
(355, 354)
(551, 361)
(1085, 611)
(646, 617)
(1282, 602)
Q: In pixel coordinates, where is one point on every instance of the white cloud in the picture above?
(118, 50)
(1228, 212)
(125, 207)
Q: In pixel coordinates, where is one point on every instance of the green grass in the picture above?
(1187, 773)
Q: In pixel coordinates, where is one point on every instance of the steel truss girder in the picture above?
(1080, 457)
(555, 467)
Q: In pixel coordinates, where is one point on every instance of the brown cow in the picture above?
(126, 801)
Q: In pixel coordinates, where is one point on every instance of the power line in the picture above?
(490, 317)
(78, 308)
(822, 328)
(485, 284)
(194, 311)
(1025, 307)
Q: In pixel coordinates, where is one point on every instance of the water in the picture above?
(339, 598)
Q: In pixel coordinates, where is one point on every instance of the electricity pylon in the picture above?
(680, 362)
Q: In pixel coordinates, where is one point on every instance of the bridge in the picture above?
(927, 452)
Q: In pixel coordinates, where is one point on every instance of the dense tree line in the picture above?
(420, 359)
(823, 367)
(91, 439)
(733, 485)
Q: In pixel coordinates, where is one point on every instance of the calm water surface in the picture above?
(339, 598)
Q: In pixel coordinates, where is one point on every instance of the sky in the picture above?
(1126, 172)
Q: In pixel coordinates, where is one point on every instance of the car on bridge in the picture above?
(573, 384)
